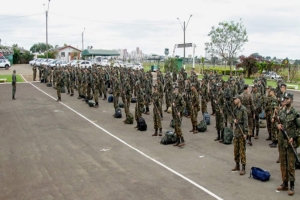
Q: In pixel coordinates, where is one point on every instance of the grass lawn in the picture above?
(8, 77)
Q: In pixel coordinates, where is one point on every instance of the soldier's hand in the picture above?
(291, 141)
(279, 126)
(245, 137)
(254, 116)
(221, 111)
(272, 120)
(235, 121)
(178, 114)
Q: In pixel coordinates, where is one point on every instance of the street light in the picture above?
(47, 28)
(184, 27)
(82, 38)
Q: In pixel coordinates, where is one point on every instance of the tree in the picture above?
(249, 64)
(40, 47)
(171, 65)
(265, 66)
(227, 40)
(15, 45)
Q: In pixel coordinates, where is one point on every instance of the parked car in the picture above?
(74, 63)
(272, 75)
(104, 62)
(38, 63)
(84, 64)
(137, 66)
(118, 63)
(33, 61)
(4, 63)
(52, 63)
(61, 63)
(45, 62)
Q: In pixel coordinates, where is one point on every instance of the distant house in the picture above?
(68, 53)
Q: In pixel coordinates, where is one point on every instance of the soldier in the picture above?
(247, 102)
(156, 111)
(272, 106)
(228, 104)
(195, 107)
(139, 102)
(79, 83)
(240, 134)
(34, 71)
(105, 82)
(84, 83)
(282, 91)
(204, 96)
(241, 83)
(257, 100)
(14, 84)
(268, 112)
(116, 91)
(59, 84)
(212, 92)
(178, 105)
(96, 83)
(89, 79)
(288, 121)
(148, 90)
(219, 106)
(168, 91)
(72, 81)
(264, 83)
(160, 90)
(127, 93)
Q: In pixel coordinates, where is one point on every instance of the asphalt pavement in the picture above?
(67, 150)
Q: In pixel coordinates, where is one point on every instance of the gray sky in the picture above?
(272, 26)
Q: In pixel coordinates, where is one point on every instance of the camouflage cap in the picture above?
(289, 96)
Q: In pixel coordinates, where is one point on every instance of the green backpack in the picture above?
(228, 135)
(129, 119)
(169, 138)
(202, 127)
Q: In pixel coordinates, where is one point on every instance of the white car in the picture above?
(4, 63)
(52, 63)
(104, 62)
(38, 63)
(33, 61)
(46, 62)
(84, 64)
(118, 64)
(61, 63)
(137, 66)
(73, 63)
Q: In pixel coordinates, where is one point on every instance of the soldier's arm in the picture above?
(245, 122)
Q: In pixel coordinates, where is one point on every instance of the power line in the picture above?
(113, 22)
(13, 17)
(30, 38)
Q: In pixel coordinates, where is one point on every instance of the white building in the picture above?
(68, 53)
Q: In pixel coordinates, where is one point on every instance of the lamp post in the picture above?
(47, 28)
(82, 38)
(184, 27)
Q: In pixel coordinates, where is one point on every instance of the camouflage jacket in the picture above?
(257, 100)
(194, 98)
(247, 101)
(204, 92)
(271, 104)
(179, 104)
(241, 116)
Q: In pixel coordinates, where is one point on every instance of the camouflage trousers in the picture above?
(138, 111)
(104, 90)
(123, 99)
(96, 94)
(194, 115)
(84, 90)
(67, 84)
(177, 126)
(72, 85)
(250, 124)
(287, 164)
(219, 121)
(239, 144)
(34, 75)
(168, 101)
(227, 115)
(269, 122)
(203, 106)
(79, 89)
(116, 100)
(58, 90)
(14, 89)
(213, 105)
(156, 118)
(256, 120)
(88, 91)
(274, 132)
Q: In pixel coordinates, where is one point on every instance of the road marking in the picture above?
(133, 148)
(24, 78)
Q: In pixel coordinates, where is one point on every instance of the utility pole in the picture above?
(82, 39)
(47, 29)
(184, 27)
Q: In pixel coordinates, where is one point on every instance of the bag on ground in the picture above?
(262, 115)
(121, 105)
(142, 126)
(110, 99)
(62, 90)
(262, 123)
(202, 127)
(129, 119)
(259, 174)
(118, 113)
(133, 100)
(49, 84)
(169, 138)
(227, 135)
(91, 103)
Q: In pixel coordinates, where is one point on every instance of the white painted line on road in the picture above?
(23, 78)
(135, 149)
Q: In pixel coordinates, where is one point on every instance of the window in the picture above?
(69, 53)
(62, 54)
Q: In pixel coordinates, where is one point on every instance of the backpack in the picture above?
(121, 105)
(207, 118)
(172, 123)
(129, 119)
(91, 103)
(227, 135)
(118, 113)
(201, 127)
(259, 174)
(133, 100)
(169, 138)
(169, 110)
(49, 84)
(262, 115)
(110, 99)
(262, 124)
(142, 126)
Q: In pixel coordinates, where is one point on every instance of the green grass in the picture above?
(9, 77)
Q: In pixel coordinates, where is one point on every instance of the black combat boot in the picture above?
(195, 130)
(147, 110)
(256, 136)
(166, 109)
(160, 132)
(274, 144)
(155, 134)
(177, 142)
(291, 191)
(96, 105)
(269, 138)
(249, 140)
(243, 171)
(283, 187)
(68, 92)
(236, 168)
(161, 117)
(182, 142)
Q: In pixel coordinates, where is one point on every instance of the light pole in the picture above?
(47, 28)
(184, 27)
(82, 38)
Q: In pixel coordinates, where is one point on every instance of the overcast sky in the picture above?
(272, 26)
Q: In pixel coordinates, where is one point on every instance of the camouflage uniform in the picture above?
(256, 96)
(67, 80)
(228, 105)
(79, 83)
(139, 102)
(127, 91)
(58, 85)
(34, 72)
(204, 97)
(116, 91)
(96, 83)
(220, 103)
(72, 81)
(156, 113)
(195, 107)
(247, 101)
(177, 99)
(272, 106)
(84, 84)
